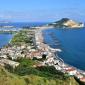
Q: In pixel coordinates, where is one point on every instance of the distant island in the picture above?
(66, 23)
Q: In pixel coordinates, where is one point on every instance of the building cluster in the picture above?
(11, 52)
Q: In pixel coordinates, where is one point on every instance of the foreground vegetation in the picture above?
(7, 78)
(21, 38)
(26, 74)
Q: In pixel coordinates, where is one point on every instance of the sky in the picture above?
(41, 10)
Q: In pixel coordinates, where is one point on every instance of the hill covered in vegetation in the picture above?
(27, 74)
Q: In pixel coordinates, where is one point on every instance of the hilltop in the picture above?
(66, 22)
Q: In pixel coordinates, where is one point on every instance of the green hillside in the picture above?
(7, 78)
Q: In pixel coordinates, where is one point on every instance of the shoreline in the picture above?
(52, 58)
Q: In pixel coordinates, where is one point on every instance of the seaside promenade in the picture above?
(52, 57)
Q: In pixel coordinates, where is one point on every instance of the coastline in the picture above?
(53, 59)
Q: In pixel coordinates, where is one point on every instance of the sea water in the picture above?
(71, 42)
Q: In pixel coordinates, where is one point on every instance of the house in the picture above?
(71, 71)
(78, 75)
(3, 56)
(82, 79)
(9, 62)
(57, 67)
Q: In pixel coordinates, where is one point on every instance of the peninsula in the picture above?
(28, 60)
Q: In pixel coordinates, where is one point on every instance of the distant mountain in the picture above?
(66, 22)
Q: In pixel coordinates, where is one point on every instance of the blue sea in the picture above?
(22, 24)
(5, 38)
(71, 42)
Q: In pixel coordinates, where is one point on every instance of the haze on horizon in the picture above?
(41, 10)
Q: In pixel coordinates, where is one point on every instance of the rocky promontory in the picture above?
(66, 23)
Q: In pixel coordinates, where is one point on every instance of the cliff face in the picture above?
(65, 22)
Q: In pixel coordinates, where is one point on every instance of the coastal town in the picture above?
(37, 49)
(42, 42)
